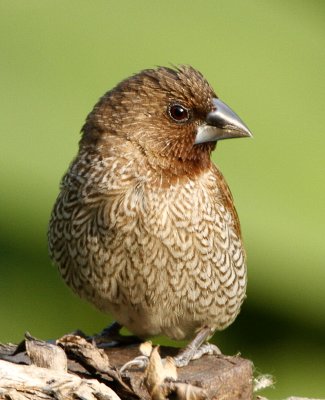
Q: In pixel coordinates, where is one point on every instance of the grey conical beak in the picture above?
(221, 123)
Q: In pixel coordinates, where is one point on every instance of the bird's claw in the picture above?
(140, 362)
(205, 349)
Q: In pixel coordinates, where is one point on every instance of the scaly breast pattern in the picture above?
(161, 259)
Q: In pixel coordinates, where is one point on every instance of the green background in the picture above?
(266, 60)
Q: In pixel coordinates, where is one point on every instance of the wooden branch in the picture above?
(73, 368)
(228, 378)
(18, 382)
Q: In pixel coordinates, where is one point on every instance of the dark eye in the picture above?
(178, 113)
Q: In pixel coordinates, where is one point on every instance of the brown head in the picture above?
(172, 115)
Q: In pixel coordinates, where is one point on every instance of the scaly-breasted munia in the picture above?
(144, 226)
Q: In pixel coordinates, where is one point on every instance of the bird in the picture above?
(144, 226)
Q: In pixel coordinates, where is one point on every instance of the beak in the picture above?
(221, 123)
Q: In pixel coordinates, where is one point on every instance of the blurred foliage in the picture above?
(264, 58)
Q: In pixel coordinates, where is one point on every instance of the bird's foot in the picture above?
(111, 337)
(140, 362)
(189, 354)
(181, 360)
(197, 348)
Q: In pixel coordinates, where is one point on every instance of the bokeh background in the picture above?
(264, 58)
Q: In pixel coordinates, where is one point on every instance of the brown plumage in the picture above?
(144, 226)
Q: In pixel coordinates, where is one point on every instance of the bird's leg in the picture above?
(111, 337)
(193, 351)
(196, 348)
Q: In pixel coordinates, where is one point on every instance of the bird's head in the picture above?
(172, 115)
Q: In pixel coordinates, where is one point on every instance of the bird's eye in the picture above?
(178, 113)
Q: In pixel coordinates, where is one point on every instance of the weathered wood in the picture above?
(92, 373)
(21, 382)
(222, 377)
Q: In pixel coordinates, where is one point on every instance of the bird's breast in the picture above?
(161, 259)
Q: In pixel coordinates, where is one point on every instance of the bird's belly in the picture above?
(149, 323)
(176, 309)
(172, 290)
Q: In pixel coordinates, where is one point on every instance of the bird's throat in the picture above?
(171, 169)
